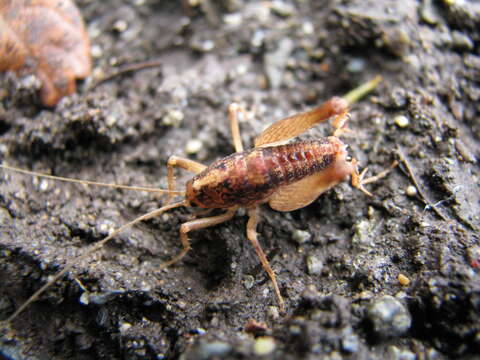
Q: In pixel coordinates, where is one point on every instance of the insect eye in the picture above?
(348, 159)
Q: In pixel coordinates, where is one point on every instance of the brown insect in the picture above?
(286, 176)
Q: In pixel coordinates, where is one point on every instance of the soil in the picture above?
(276, 59)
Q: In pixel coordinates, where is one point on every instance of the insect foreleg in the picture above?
(187, 164)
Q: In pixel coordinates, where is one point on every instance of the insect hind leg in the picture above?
(295, 125)
(252, 236)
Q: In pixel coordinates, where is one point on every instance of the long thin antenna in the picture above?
(87, 182)
(89, 251)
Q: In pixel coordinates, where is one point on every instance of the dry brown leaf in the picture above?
(48, 38)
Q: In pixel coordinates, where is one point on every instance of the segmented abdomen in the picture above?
(250, 177)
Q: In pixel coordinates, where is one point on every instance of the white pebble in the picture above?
(264, 345)
(401, 121)
(193, 146)
(314, 265)
(411, 191)
(96, 51)
(120, 25)
(234, 19)
(173, 117)
(301, 236)
(44, 185)
(124, 327)
(110, 120)
(308, 28)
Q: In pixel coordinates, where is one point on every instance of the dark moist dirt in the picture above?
(277, 59)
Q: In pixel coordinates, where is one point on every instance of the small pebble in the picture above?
(146, 287)
(281, 8)
(428, 12)
(433, 354)
(44, 185)
(111, 120)
(234, 19)
(84, 298)
(363, 234)
(201, 331)
(3, 147)
(213, 349)
(103, 297)
(371, 212)
(173, 117)
(120, 25)
(462, 41)
(314, 265)
(389, 317)
(308, 28)
(264, 345)
(301, 236)
(193, 146)
(96, 51)
(208, 45)
(465, 152)
(401, 121)
(94, 31)
(257, 38)
(105, 227)
(248, 281)
(273, 312)
(395, 353)
(403, 280)
(411, 191)
(124, 327)
(350, 343)
(356, 65)
(98, 74)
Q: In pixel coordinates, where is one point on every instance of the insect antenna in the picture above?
(94, 247)
(88, 182)
(100, 243)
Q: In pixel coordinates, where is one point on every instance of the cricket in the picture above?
(285, 175)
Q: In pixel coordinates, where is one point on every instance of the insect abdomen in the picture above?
(250, 177)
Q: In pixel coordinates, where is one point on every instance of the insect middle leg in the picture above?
(233, 110)
(197, 224)
(252, 236)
